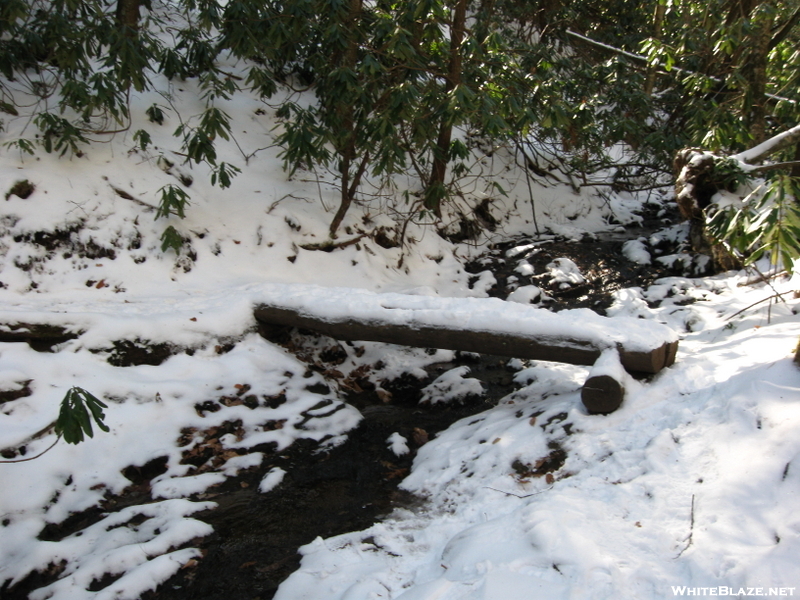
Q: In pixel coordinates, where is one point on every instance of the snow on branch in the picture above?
(772, 145)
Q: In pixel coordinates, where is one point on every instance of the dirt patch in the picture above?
(325, 492)
(67, 241)
(40, 337)
(22, 391)
(22, 189)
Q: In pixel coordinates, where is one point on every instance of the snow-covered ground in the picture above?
(690, 486)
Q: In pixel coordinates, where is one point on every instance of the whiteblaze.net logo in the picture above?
(722, 590)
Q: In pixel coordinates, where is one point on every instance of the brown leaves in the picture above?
(208, 453)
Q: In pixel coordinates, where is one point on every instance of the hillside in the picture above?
(691, 484)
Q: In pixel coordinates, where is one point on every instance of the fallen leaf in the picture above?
(420, 436)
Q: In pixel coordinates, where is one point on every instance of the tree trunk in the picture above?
(658, 19)
(754, 107)
(436, 189)
(696, 184)
(347, 149)
(128, 16)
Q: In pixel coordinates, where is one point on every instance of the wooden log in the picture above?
(602, 394)
(604, 389)
(445, 325)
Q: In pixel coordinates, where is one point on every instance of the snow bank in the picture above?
(690, 485)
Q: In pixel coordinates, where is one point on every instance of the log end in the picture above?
(649, 362)
(670, 352)
(602, 394)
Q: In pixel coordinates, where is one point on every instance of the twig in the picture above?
(125, 195)
(517, 495)
(761, 279)
(328, 246)
(780, 296)
(32, 457)
(691, 531)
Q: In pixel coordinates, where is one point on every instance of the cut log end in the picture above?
(602, 394)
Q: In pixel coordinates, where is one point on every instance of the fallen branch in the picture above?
(778, 296)
(772, 167)
(19, 460)
(772, 145)
(519, 495)
(329, 245)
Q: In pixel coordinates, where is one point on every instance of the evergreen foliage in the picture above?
(78, 409)
(765, 223)
(397, 85)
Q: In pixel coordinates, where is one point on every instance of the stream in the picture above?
(348, 487)
(256, 536)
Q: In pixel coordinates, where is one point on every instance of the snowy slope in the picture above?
(691, 483)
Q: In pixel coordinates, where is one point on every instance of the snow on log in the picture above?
(483, 325)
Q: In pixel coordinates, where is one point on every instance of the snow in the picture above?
(565, 272)
(692, 482)
(452, 386)
(526, 294)
(271, 480)
(398, 444)
(636, 251)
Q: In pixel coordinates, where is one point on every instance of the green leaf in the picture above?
(173, 202)
(74, 420)
(155, 114)
(142, 138)
(171, 239)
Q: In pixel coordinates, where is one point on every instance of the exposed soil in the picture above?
(601, 262)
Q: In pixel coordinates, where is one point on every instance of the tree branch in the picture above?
(783, 165)
(771, 146)
(784, 31)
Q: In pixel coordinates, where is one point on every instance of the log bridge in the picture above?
(615, 347)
